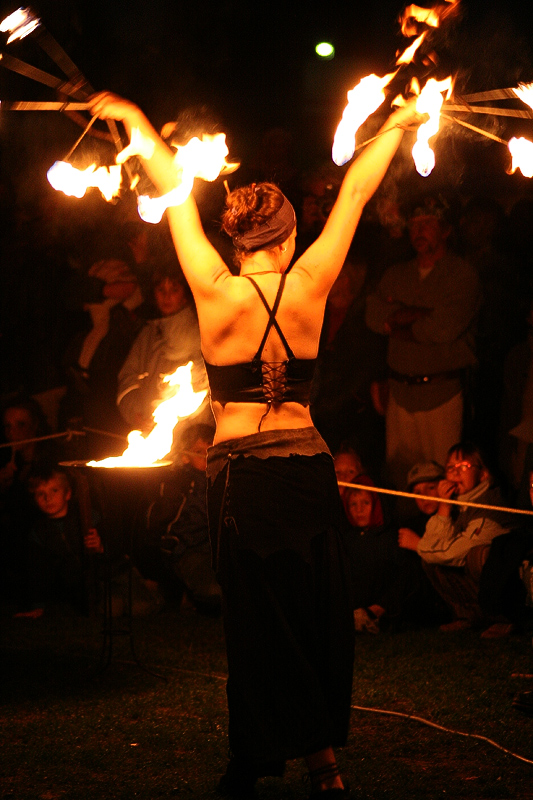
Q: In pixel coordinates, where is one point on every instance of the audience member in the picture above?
(503, 595)
(178, 528)
(423, 479)
(457, 539)
(95, 357)
(387, 582)
(58, 547)
(347, 466)
(23, 421)
(162, 345)
(426, 307)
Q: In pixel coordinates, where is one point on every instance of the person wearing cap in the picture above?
(423, 479)
(426, 307)
(274, 505)
(457, 539)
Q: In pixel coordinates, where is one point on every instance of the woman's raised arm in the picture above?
(201, 263)
(325, 257)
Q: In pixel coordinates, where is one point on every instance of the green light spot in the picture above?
(325, 50)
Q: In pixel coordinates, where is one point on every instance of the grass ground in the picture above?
(69, 731)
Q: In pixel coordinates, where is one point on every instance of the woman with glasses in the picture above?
(457, 538)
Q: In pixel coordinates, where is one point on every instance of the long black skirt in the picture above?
(288, 619)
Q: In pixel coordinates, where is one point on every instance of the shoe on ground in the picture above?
(498, 631)
(364, 623)
(456, 626)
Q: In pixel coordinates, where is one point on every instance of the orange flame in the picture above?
(20, 23)
(522, 153)
(363, 100)
(429, 102)
(409, 53)
(205, 159)
(75, 182)
(139, 146)
(413, 16)
(146, 451)
(524, 91)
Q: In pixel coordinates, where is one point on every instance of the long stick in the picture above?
(29, 105)
(78, 140)
(498, 112)
(474, 128)
(493, 94)
(433, 498)
(68, 434)
(377, 136)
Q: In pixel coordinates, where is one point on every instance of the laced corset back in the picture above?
(274, 372)
(258, 381)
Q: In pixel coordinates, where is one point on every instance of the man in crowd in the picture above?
(426, 308)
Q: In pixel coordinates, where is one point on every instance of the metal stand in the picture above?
(117, 492)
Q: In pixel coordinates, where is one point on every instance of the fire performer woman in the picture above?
(273, 498)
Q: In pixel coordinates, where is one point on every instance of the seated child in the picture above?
(57, 547)
(387, 582)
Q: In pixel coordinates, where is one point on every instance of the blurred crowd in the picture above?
(424, 387)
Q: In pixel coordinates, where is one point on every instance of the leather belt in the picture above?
(420, 380)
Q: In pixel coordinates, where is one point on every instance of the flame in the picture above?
(363, 100)
(522, 153)
(414, 15)
(75, 182)
(139, 146)
(143, 452)
(425, 16)
(409, 53)
(205, 159)
(20, 23)
(429, 102)
(524, 91)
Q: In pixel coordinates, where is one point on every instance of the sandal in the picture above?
(319, 776)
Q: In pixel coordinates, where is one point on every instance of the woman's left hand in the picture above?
(111, 106)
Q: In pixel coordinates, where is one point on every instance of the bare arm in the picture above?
(324, 259)
(201, 263)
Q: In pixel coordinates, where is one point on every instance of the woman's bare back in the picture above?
(232, 325)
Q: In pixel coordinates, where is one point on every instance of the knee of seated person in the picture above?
(475, 559)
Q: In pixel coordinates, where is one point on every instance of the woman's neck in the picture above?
(258, 263)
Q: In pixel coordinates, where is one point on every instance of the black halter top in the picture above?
(258, 381)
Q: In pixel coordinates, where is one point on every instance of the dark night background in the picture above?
(253, 64)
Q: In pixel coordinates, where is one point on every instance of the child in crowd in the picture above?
(423, 479)
(23, 422)
(347, 466)
(387, 582)
(58, 548)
